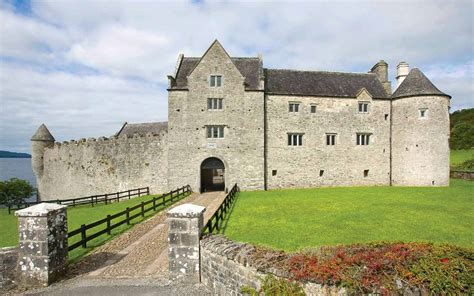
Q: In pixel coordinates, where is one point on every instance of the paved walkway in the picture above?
(142, 251)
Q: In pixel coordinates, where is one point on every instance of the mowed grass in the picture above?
(460, 156)
(304, 218)
(77, 216)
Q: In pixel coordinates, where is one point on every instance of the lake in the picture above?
(17, 168)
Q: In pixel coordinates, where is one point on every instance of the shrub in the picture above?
(275, 286)
(15, 191)
(388, 268)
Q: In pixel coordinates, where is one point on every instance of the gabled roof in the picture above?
(250, 68)
(142, 129)
(416, 84)
(319, 83)
(42, 134)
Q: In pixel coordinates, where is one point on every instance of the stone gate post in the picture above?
(184, 232)
(43, 254)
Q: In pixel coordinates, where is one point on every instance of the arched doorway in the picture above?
(212, 175)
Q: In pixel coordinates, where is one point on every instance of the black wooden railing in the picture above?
(128, 215)
(94, 199)
(215, 222)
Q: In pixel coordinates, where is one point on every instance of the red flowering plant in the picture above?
(387, 268)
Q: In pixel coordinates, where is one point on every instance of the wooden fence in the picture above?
(128, 215)
(216, 220)
(93, 199)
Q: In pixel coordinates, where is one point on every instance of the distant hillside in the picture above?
(462, 129)
(8, 154)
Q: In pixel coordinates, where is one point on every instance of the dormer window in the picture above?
(363, 107)
(215, 81)
(423, 112)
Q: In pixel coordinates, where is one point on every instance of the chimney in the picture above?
(381, 70)
(402, 72)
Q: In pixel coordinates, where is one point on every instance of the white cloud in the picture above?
(83, 67)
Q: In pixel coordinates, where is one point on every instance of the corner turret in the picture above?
(41, 139)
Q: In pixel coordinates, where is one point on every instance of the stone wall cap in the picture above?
(39, 210)
(186, 211)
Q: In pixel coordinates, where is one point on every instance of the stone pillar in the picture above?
(184, 232)
(43, 254)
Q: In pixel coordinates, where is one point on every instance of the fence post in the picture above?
(83, 236)
(9, 209)
(105, 198)
(154, 203)
(128, 194)
(108, 224)
(164, 201)
(92, 200)
(128, 216)
(148, 190)
(118, 197)
(184, 231)
(139, 192)
(143, 209)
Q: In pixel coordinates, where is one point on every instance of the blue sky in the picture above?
(85, 67)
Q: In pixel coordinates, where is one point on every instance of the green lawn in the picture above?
(76, 217)
(302, 218)
(460, 156)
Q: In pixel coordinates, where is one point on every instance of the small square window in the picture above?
(423, 112)
(313, 108)
(321, 173)
(366, 173)
(215, 81)
(274, 172)
(363, 107)
(294, 107)
(330, 139)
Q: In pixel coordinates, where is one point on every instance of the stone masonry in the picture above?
(43, 247)
(408, 130)
(8, 267)
(185, 223)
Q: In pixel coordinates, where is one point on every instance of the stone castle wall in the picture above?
(342, 164)
(420, 145)
(105, 165)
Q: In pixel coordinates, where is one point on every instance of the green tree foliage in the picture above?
(462, 129)
(15, 191)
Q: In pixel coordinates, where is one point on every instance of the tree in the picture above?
(15, 191)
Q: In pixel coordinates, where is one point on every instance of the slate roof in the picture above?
(319, 83)
(42, 134)
(250, 68)
(416, 84)
(155, 128)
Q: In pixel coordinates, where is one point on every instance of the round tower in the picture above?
(420, 132)
(41, 139)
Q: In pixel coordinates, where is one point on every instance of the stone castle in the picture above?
(230, 120)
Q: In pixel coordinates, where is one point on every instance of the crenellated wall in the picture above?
(104, 165)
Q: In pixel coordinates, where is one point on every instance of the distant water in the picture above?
(17, 168)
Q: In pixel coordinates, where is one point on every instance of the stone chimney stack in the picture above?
(381, 70)
(402, 72)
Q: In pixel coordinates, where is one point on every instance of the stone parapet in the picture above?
(8, 270)
(43, 247)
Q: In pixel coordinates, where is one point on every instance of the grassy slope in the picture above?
(76, 216)
(295, 219)
(460, 156)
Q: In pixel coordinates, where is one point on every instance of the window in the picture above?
(215, 81)
(313, 109)
(363, 107)
(330, 139)
(321, 173)
(295, 139)
(294, 107)
(274, 172)
(423, 112)
(214, 104)
(366, 173)
(363, 139)
(215, 131)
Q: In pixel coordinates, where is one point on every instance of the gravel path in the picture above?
(141, 251)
